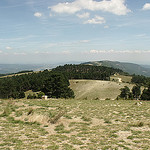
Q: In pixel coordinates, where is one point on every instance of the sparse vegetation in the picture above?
(57, 117)
(86, 124)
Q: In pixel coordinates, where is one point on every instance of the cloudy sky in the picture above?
(50, 31)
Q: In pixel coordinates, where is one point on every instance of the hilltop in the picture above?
(130, 68)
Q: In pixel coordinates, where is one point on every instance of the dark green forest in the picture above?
(52, 84)
(141, 80)
(87, 72)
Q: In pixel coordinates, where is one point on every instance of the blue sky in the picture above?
(51, 31)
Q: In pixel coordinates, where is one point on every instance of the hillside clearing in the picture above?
(85, 125)
(97, 89)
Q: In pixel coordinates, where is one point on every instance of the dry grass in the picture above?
(96, 89)
(86, 124)
(126, 79)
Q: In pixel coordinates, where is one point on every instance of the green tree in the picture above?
(146, 94)
(40, 94)
(57, 86)
(136, 91)
(125, 92)
(21, 95)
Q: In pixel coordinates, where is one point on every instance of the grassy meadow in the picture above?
(74, 124)
(97, 89)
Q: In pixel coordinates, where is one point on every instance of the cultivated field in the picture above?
(97, 89)
(74, 125)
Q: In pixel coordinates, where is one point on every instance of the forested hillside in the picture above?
(52, 84)
(141, 80)
(87, 72)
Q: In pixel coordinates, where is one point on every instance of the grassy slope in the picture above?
(96, 89)
(86, 125)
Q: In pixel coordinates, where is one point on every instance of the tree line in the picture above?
(87, 72)
(52, 84)
(135, 93)
(141, 80)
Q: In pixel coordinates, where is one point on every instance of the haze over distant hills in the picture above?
(131, 68)
(13, 68)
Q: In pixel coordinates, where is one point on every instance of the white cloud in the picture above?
(20, 54)
(116, 7)
(146, 6)
(8, 48)
(119, 52)
(106, 27)
(84, 41)
(52, 53)
(95, 20)
(84, 15)
(38, 14)
(66, 52)
(93, 51)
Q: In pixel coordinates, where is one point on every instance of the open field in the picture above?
(97, 89)
(126, 79)
(74, 125)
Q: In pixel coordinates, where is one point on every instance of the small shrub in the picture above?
(30, 111)
(107, 121)
(18, 113)
(113, 135)
(130, 137)
(59, 127)
(6, 112)
(68, 117)
(31, 96)
(57, 117)
(40, 94)
(139, 124)
(53, 147)
(85, 118)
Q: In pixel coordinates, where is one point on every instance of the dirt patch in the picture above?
(122, 135)
(145, 128)
(97, 122)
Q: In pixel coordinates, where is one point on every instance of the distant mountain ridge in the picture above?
(130, 68)
(14, 68)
